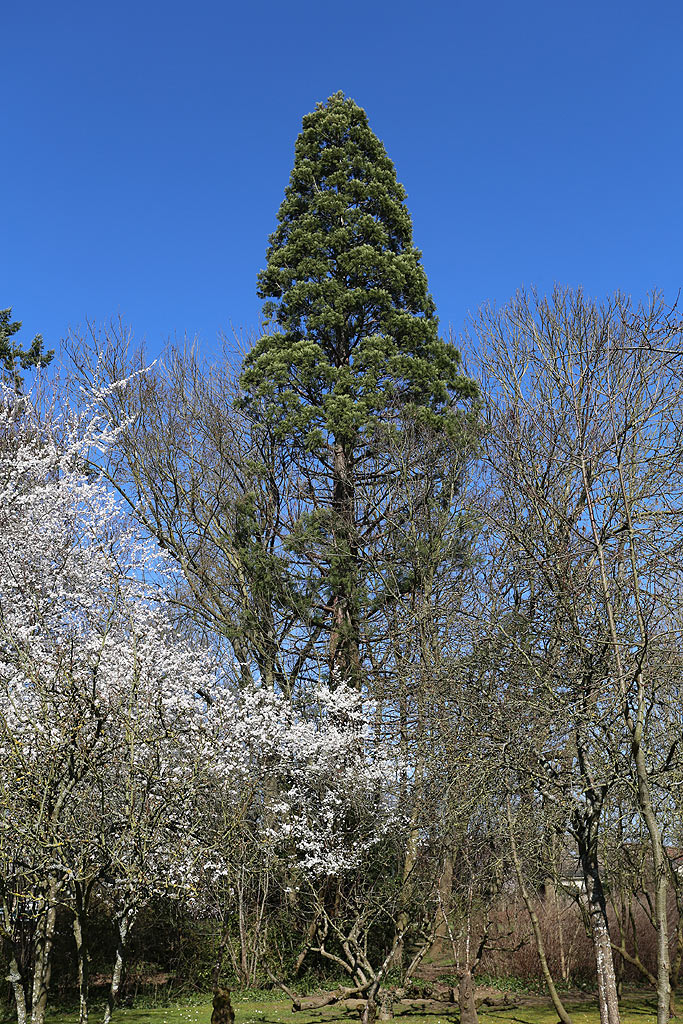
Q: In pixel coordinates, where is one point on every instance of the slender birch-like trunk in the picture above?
(80, 938)
(17, 983)
(125, 924)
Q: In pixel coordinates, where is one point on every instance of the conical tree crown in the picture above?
(344, 283)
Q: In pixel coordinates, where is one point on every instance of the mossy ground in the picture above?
(635, 1010)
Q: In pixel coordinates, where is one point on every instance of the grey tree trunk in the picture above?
(16, 981)
(608, 1000)
(79, 930)
(466, 1003)
(125, 923)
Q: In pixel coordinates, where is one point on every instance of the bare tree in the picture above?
(584, 455)
(214, 490)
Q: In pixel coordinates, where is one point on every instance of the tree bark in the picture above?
(466, 1003)
(125, 923)
(344, 641)
(597, 911)
(16, 981)
(80, 937)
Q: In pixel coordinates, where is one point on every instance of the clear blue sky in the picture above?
(147, 146)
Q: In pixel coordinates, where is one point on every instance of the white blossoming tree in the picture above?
(96, 693)
(118, 738)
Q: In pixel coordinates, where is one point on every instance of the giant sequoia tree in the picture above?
(353, 349)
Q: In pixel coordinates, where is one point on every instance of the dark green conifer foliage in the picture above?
(356, 325)
(353, 336)
(12, 354)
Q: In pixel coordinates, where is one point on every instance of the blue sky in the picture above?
(147, 146)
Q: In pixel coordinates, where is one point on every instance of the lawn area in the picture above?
(633, 1011)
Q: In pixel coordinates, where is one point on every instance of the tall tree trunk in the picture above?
(80, 930)
(125, 924)
(597, 911)
(17, 983)
(344, 638)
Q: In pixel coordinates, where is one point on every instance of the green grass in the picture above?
(636, 1010)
